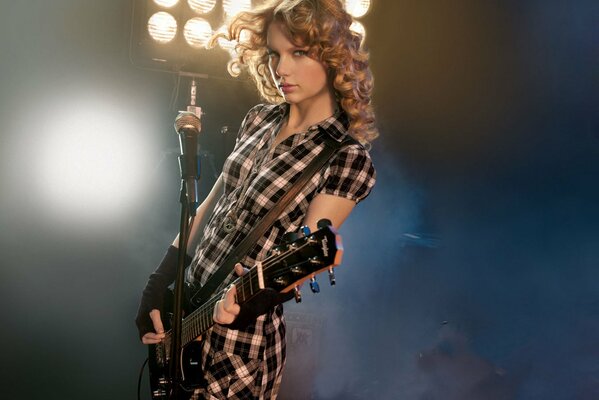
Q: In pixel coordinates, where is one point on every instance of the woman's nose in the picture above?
(282, 67)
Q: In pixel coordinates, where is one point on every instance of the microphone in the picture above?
(188, 125)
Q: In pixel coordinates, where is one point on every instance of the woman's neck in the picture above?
(302, 116)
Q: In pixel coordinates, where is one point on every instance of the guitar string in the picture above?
(198, 315)
(246, 280)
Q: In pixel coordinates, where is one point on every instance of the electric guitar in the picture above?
(298, 259)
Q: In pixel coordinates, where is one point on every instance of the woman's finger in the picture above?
(230, 301)
(152, 338)
(157, 322)
(226, 309)
(240, 270)
(220, 316)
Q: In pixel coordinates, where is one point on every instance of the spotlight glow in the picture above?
(197, 32)
(162, 26)
(91, 161)
(166, 3)
(357, 8)
(233, 7)
(201, 6)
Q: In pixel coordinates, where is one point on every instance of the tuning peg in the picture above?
(323, 223)
(315, 260)
(297, 294)
(275, 251)
(290, 237)
(314, 285)
(332, 277)
(305, 230)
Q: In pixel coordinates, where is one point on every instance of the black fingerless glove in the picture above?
(260, 304)
(153, 294)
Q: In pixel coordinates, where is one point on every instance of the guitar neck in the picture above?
(286, 267)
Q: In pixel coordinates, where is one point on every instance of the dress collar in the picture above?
(335, 126)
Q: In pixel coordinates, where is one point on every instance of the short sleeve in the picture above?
(350, 175)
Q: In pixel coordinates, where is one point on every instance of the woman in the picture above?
(309, 67)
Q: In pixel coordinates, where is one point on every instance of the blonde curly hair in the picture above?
(323, 25)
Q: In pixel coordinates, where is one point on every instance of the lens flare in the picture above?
(91, 162)
(162, 26)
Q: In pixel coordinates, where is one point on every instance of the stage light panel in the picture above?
(166, 3)
(358, 28)
(202, 6)
(233, 7)
(225, 44)
(197, 32)
(175, 39)
(357, 8)
(162, 27)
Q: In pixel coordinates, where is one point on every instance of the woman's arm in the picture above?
(334, 208)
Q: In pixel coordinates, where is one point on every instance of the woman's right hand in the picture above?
(158, 335)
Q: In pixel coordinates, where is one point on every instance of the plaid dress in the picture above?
(247, 364)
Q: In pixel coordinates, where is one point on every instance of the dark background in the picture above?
(471, 272)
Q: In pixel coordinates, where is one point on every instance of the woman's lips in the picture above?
(286, 88)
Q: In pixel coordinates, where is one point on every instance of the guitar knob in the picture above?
(314, 285)
(323, 223)
(305, 230)
(332, 277)
(297, 294)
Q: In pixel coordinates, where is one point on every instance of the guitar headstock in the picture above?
(302, 256)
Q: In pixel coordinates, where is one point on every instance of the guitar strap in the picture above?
(199, 297)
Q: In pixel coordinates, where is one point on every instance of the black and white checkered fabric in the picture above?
(248, 364)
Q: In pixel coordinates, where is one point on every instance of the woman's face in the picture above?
(300, 78)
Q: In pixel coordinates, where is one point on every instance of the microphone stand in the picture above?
(176, 375)
(190, 171)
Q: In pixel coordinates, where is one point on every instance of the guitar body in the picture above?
(159, 362)
(191, 366)
(286, 268)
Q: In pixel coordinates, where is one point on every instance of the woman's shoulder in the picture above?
(354, 152)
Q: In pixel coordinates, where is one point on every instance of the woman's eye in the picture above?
(300, 52)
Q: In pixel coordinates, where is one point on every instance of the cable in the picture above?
(141, 372)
